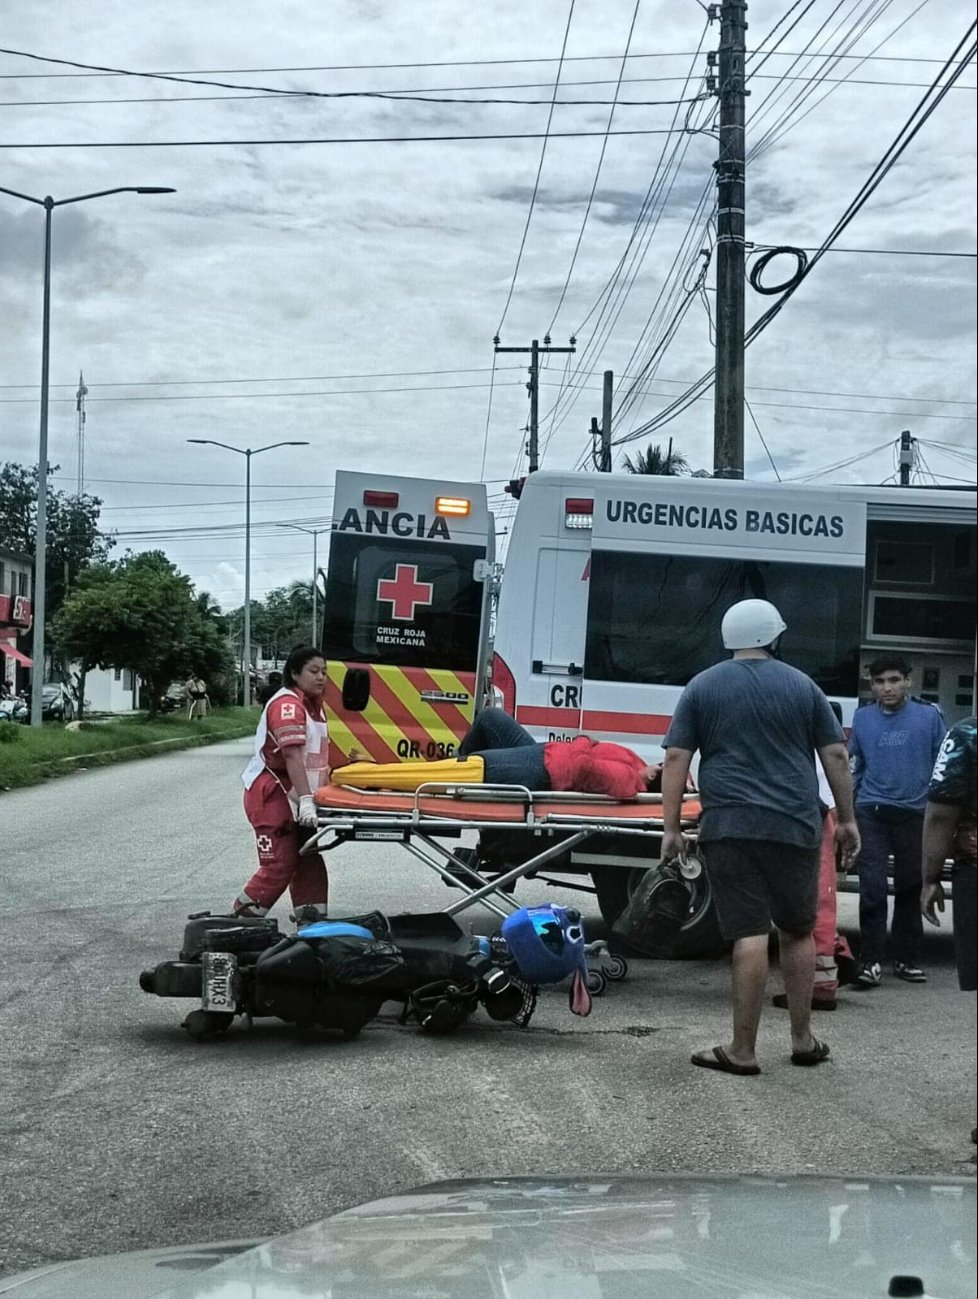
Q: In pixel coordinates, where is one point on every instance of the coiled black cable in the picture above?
(792, 282)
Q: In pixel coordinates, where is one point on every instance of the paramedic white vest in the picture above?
(314, 754)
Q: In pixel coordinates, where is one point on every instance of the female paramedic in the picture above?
(288, 766)
(498, 751)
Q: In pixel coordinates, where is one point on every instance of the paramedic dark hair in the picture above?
(888, 663)
(297, 660)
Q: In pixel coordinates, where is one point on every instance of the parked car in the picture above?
(57, 704)
(173, 699)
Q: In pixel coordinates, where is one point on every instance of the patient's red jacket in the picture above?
(593, 767)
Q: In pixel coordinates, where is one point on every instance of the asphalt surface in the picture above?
(118, 1133)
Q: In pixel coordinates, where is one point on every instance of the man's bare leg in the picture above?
(798, 973)
(748, 979)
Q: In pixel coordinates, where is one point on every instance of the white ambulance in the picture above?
(614, 587)
(406, 615)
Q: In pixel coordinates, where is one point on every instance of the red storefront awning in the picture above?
(11, 652)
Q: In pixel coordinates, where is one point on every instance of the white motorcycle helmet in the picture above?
(751, 624)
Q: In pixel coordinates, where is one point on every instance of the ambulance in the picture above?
(615, 585)
(406, 615)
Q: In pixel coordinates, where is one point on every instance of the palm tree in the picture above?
(653, 460)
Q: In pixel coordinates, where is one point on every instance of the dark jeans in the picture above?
(885, 829)
(509, 754)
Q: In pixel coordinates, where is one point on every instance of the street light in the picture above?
(41, 542)
(315, 533)
(247, 452)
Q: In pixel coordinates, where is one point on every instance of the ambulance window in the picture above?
(656, 618)
(408, 605)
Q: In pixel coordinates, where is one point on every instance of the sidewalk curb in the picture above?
(54, 767)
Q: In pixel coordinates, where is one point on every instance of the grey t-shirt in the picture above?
(756, 724)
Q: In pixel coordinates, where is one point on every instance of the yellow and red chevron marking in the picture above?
(397, 724)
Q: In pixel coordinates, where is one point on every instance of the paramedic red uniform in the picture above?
(593, 767)
(277, 836)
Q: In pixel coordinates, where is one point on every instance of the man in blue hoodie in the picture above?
(893, 747)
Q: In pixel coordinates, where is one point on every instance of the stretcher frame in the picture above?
(433, 811)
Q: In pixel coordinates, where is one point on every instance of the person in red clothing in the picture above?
(288, 766)
(509, 755)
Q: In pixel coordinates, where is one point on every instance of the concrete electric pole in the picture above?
(533, 388)
(728, 420)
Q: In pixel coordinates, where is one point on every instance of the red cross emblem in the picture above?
(404, 592)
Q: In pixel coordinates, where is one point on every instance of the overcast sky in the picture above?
(347, 292)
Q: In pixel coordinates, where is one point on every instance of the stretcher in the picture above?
(554, 824)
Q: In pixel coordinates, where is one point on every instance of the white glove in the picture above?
(307, 811)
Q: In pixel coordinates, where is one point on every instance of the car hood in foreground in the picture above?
(588, 1238)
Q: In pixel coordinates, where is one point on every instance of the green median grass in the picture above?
(29, 755)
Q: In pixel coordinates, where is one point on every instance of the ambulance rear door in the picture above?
(406, 612)
(538, 668)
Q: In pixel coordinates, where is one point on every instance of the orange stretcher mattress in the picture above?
(479, 807)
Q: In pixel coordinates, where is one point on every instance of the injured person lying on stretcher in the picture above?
(498, 751)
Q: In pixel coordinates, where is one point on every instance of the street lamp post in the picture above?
(315, 533)
(41, 540)
(247, 452)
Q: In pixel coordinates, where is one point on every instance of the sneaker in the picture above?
(908, 972)
(870, 976)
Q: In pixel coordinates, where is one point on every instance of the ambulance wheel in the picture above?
(201, 1024)
(596, 983)
(700, 935)
(615, 969)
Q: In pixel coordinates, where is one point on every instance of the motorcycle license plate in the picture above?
(220, 981)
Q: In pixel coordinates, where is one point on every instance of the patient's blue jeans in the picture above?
(510, 755)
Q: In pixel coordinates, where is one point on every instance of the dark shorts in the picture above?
(756, 883)
(964, 883)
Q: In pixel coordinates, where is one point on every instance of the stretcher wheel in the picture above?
(615, 968)
(596, 983)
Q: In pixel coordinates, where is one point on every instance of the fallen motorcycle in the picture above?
(336, 974)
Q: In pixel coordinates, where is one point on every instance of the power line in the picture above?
(536, 182)
(404, 91)
(387, 67)
(330, 139)
(257, 396)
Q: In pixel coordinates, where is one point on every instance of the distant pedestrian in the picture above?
(197, 701)
(893, 746)
(757, 724)
(950, 831)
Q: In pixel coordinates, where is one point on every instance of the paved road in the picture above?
(118, 1133)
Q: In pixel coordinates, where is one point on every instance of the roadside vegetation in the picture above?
(28, 755)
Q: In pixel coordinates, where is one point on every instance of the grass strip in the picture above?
(29, 755)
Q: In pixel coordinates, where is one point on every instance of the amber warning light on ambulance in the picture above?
(456, 507)
(381, 500)
(579, 512)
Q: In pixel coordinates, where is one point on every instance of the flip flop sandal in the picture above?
(818, 1053)
(722, 1062)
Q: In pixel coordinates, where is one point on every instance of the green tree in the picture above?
(141, 614)
(653, 460)
(74, 541)
(280, 622)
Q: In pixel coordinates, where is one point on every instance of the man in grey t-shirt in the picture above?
(757, 724)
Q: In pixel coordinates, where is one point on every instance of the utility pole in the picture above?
(906, 457)
(80, 408)
(728, 420)
(533, 388)
(606, 399)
